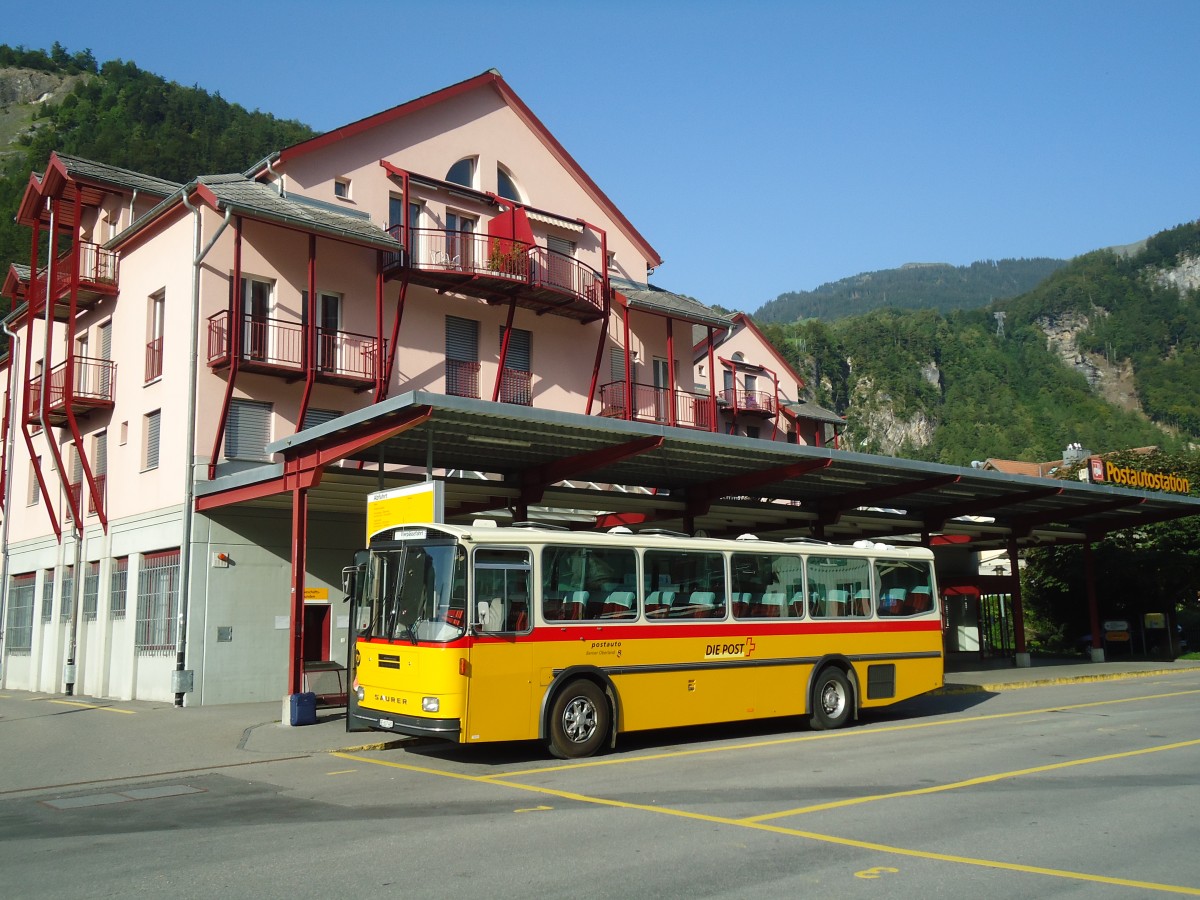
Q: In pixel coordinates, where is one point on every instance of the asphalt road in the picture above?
(1081, 790)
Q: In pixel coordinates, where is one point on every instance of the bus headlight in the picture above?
(359, 693)
(430, 704)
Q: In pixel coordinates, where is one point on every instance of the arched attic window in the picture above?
(506, 185)
(463, 172)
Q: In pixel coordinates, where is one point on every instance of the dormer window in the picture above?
(505, 186)
(462, 172)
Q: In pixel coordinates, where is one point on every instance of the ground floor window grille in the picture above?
(66, 608)
(158, 598)
(20, 613)
(48, 595)
(91, 591)
(117, 586)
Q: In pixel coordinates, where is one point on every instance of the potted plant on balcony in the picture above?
(508, 257)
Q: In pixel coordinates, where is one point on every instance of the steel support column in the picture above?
(1089, 580)
(1018, 610)
(299, 559)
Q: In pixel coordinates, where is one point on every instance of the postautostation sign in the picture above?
(1101, 471)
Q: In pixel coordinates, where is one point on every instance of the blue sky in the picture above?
(760, 147)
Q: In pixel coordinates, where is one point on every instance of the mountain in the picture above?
(913, 286)
(121, 115)
(1105, 351)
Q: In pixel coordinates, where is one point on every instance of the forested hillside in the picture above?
(915, 286)
(118, 114)
(957, 387)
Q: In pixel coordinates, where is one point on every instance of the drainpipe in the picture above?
(14, 344)
(189, 478)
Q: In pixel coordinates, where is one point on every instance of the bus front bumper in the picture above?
(414, 726)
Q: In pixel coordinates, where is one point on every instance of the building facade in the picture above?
(172, 332)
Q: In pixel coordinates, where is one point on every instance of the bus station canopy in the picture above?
(584, 470)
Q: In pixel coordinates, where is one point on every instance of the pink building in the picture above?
(449, 244)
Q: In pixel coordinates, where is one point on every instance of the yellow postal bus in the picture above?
(477, 634)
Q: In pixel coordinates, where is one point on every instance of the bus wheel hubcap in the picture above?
(579, 720)
(832, 700)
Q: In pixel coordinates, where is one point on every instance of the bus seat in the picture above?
(741, 605)
(618, 604)
(704, 604)
(862, 603)
(575, 604)
(836, 602)
(920, 600)
(658, 603)
(798, 604)
(773, 605)
(893, 602)
(520, 619)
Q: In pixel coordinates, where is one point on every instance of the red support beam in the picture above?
(310, 333)
(536, 480)
(937, 517)
(235, 346)
(299, 561)
(832, 509)
(701, 498)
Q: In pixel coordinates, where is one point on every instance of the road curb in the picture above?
(998, 686)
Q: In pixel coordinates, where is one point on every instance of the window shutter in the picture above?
(101, 453)
(152, 428)
(315, 417)
(616, 364)
(520, 350)
(248, 431)
(462, 339)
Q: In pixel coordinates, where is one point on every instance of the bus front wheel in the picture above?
(830, 700)
(579, 720)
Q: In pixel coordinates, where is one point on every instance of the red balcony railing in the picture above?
(101, 483)
(154, 359)
(90, 387)
(273, 346)
(462, 378)
(487, 266)
(656, 404)
(751, 402)
(98, 270)
(516, 387)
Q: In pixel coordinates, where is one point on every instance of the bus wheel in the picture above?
(579, 720)
(831, 700)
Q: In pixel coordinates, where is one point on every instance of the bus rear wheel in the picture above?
(830, 700)
(579, 720)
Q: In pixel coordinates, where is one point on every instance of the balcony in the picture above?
(462, 378)
(654, 404)
(276, 347)
(154, 359)
(499, 270)
(98, 270)
(90, 388)
(748, 403)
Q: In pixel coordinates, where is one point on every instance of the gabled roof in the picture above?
(806, 409)
(650, 298)
(239, 194)
(493, 80)
(82, 169)
(740, 322)
(98, 177)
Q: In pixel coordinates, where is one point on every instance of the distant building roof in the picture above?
(806, 409)
(90, 170)
(655, 299)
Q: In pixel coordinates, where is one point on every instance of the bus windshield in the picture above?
(416, 593)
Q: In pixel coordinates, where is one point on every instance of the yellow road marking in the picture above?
(970, 782)
(342, 772)
(843, 734)
(128, 712)
(793, 832)
(534, 809)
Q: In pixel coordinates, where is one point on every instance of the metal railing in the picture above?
(516, 387)
(154, 359)
(749, 401)
(436, 250)
(656, 404)
(462, 378)
(91, 380)
(280, 344)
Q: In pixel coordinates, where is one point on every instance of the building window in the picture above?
(35, 493)
(150, 429)
(248, 431)
(256, 322)
(506, 187)
(100, 475)
(315, 417)
(91, 591)
(462, 357)
(118, 584)
(155, 314)
(66, 608)
(462, 172)
(19, 629)
(48, 595)
(158, 595)
(341, 188)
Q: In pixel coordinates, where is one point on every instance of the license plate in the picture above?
(385, 723)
